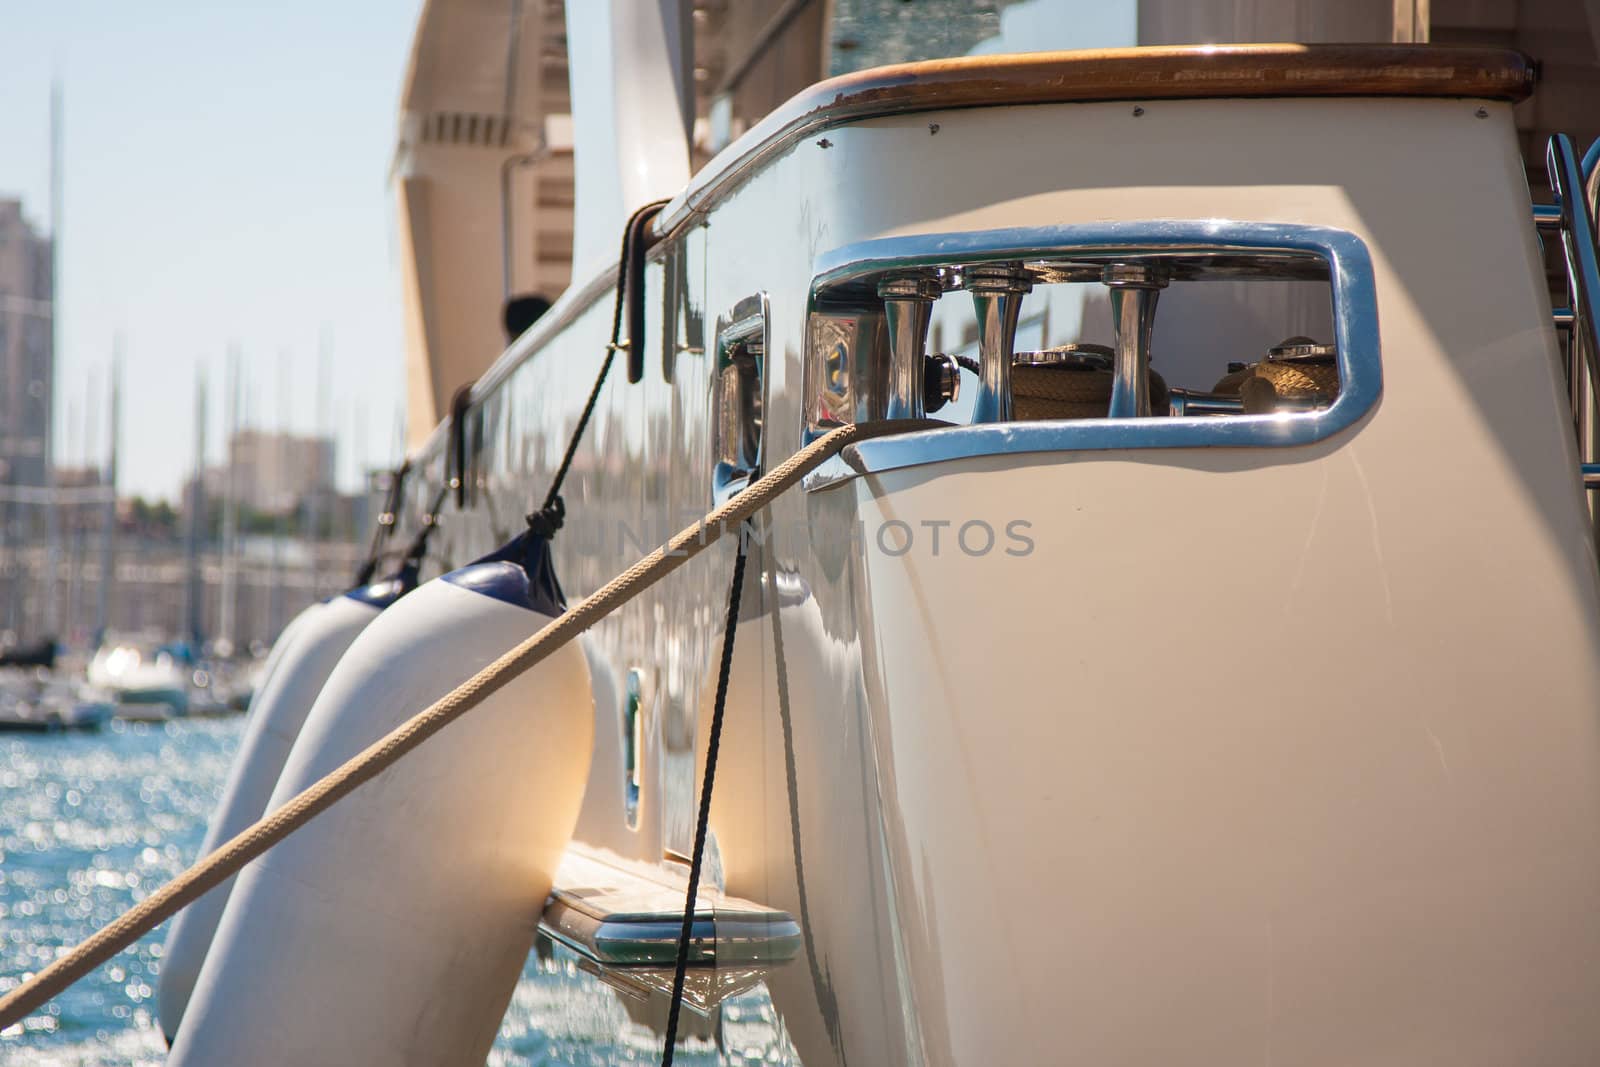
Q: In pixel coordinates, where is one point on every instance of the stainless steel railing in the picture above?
(1577, 204)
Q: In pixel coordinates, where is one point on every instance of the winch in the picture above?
(1299, 370)
(1072, 381)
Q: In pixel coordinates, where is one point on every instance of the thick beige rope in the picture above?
(1072, 392)
(1292, 380)
(251, 842)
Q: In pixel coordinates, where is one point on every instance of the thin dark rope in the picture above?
(547, 520)
(386, 523)
(430, 522)
(735, 588)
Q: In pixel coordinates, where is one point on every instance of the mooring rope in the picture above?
(211, 870)
(702, 823)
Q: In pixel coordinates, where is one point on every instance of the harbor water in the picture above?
(90, 823)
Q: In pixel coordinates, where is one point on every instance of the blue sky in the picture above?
(225, 183)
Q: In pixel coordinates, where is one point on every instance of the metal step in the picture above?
(623, 919)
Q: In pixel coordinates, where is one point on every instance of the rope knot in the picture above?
(548, 519)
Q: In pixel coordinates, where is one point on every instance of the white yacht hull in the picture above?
(1231, 749)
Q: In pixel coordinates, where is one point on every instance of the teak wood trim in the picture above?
(1188, 72)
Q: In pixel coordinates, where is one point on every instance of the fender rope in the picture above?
(418, 548)
(385, 525)
(548, 518)
(211, 870)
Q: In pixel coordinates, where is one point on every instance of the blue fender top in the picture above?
(386, 591)
(379, 594)
(520, 573)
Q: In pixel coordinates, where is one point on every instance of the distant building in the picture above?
(27, 355)
(80, 506)
(273, 472)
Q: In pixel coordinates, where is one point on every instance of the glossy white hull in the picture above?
(1282, 752)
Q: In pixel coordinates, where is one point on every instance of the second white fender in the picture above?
(393, 927)
(297, 667)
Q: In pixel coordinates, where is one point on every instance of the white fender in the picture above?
(297, 667)
(393, 927)
(279, 649)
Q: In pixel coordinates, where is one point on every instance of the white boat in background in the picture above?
(144, 681)
(40, 702)
(1199, 657)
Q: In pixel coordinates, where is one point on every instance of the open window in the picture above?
(1106, 335)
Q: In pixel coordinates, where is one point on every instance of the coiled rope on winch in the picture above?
(211, 870)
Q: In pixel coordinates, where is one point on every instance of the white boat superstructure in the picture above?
(1153, 687)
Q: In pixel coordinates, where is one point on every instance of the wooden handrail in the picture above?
(1189, 72)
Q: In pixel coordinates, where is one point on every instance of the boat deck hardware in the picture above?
(1134, 290)
(997, 291)
(908, 304)
(623, 919)
(1083, 356)
(941, 381)
(1301, 349)
(1573, 217)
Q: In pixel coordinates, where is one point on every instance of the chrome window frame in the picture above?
(1355, 327)
(749, 319)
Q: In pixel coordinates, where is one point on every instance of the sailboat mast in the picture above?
(359, 519)
(281, 522)
(194, 597)
(108, 514)
(70, 454)
(52, 516)
(319, 491)
(230, 511)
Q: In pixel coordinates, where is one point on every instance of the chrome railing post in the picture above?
(1591, 184)
(1135, 288)
(1589, 411)
(1577, 194)
(997, 293)
(908, 306)
(1578, 243)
